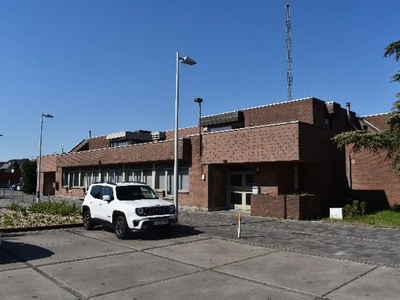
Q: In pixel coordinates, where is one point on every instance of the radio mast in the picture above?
(289, 76)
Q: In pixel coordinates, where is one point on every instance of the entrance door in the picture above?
(240, 190)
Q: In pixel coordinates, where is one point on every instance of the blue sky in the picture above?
(107, 66)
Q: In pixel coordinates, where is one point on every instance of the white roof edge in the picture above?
(250, 127)
(375, 115)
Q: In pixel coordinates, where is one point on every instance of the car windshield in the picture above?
(135, 192)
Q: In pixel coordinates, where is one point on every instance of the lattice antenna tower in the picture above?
(289, 76)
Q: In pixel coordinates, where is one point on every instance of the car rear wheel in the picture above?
(87, 220)
(120, 227)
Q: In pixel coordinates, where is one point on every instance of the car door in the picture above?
(105, 207)
(95, 200)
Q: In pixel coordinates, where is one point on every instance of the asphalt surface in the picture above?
(205, 259)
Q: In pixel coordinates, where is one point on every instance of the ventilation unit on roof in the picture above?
(158, 135)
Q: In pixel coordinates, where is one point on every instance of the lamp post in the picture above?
(40, 155)
(187, 61)
(199, 101)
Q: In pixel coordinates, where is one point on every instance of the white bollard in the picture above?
(239, 228)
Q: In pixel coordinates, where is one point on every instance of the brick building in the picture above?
(275, 160)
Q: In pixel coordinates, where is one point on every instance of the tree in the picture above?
(29, 176)
(386, 140)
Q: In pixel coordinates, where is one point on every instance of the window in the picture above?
(160, 179)
(108, 191)
(65, 178)
(147, 177)
(114, 175)
(183, 179)
(120, 143)
(118, 176)
(83, 179)
(75, 179)
(96, 191)
(219, 128)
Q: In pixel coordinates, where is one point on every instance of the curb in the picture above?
(49, 227)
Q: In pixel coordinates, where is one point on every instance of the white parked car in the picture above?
(127, 207)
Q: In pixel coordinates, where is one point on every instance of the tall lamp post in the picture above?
(187, 61)
(43, 115)
(199, 101)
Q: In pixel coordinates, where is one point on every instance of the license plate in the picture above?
(160, 222)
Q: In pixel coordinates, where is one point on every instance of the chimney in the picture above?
(348, 111)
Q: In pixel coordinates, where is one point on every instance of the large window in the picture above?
(147, 177)
(74, 179)
(114, 175)
(160, 179)
(133, 175)
(183, 179)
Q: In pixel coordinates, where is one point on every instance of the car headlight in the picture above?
(171, 209)
(140, 211)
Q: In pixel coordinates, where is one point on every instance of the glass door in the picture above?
(240, 190)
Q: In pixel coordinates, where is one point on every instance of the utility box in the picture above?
(256, 190)
(336, 213)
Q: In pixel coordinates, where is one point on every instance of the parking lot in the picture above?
(204, 259)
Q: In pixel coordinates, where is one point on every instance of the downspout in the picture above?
(349, 171)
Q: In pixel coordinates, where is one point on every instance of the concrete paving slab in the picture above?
(210, 253)
(379, 284)
(46, 247)
(311, 274)
(116, 272)
(141, 241)
(205, 285)
(28, 284)
(8, 262)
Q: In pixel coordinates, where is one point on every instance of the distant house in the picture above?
(273, 160)
(11, 171)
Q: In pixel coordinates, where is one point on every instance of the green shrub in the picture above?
(355, 209)
(62, 208)
(16, 207)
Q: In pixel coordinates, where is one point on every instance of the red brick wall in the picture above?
(373, 179)
(198, 196)
(297, 110)
(316, 144)
(254, 144)
(285, 206)
(267, 178)
(182, 132)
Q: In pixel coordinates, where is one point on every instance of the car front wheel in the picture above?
(87, 220)
(120, 227)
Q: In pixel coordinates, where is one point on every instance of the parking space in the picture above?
(201, 260)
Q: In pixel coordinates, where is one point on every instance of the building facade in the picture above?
(274, 160)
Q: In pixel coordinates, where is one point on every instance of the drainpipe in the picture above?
(349, 177)
(349, 173)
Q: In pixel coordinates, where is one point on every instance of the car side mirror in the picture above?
(107, 198)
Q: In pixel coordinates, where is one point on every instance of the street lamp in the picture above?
(187, 61)
(199, 101)
(40, 155)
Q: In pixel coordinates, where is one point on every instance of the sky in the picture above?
(104, 66)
